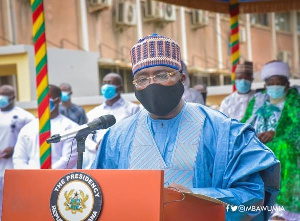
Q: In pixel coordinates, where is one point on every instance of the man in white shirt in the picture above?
(63, 154)
(12, 119)
(234, 105)
(114, 104)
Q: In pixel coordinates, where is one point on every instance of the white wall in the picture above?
(78, 68)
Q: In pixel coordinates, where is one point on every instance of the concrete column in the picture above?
(219, 41)
(7, 20)
(183, 35)
(84, 25)
(221, 77)
(13, 22)
(274, 39)
(139, 20)
(249, 41)
(295, 42)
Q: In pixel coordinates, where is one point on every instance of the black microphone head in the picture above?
(102, 122)
(54, 139)
(108, 120)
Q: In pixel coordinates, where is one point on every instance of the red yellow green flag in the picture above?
(39, 38)
(234, 37)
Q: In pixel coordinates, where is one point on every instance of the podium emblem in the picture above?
(76, 196)
(74, 201)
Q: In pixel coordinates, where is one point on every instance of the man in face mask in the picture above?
(114, 104)
(68, 109)
(190, 94)
(197, 147)
(12, 119)
(276, 120)
(27, 150)
(234, 105)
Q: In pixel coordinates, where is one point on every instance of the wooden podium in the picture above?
(128, 195)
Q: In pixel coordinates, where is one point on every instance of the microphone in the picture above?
(102, 122)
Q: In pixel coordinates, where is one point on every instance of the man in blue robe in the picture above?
(200, 149)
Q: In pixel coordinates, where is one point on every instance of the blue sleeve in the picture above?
(107, 154)
(243, 170)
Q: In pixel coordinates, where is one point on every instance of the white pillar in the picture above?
(139, 20)
(13, 22)
(183, 35)
(249, 41)
(274, 40)
(219, 41)
(221, 77)
(84, 26)
(9, 22)
(295, 42)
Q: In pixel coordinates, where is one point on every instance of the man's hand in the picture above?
(266, 136)
(180, 188)
(7, 152)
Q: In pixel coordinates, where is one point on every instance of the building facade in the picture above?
(106, 29)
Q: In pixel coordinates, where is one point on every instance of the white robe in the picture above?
(235, 105)
(11, 122)
(27, 152)
(121, 110)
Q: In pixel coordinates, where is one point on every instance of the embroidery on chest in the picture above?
(145, 154)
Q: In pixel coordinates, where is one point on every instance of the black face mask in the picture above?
(160, 100)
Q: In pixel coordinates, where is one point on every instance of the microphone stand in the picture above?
(80, 139)
(102, 122)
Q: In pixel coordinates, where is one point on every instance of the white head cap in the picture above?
(275, 68)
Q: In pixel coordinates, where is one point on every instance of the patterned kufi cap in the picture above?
(275, 68)
(155, 50)
(247, 68)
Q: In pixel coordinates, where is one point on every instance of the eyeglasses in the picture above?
(160, 77)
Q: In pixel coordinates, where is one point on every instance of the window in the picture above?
(10, 80)
(222, 15)
(242, 17)
(227, 80)
(198, 79)
(260, 19)
(282, 21)
(214, 80)
(5, 80)
(208, 79)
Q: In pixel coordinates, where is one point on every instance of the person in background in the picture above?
(234, 105)
(190, 94)
(68, 109)
(27, 149)
(201, 150)
(202, 89)
(12, 120)
(112, 87)
(276, 119)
